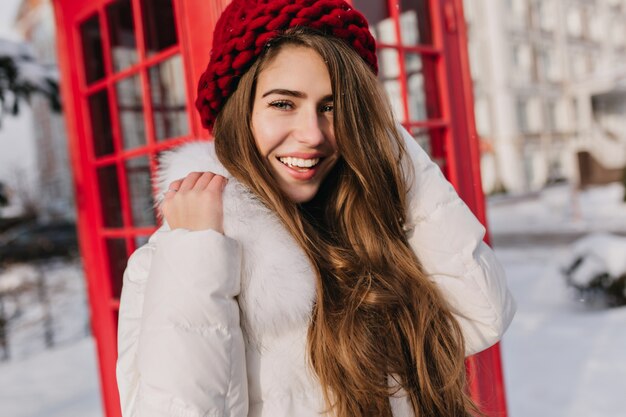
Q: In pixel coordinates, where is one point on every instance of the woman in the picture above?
(313, 259)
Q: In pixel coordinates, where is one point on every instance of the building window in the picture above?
(482, 116)
(522, 62)
(551, 115)
(523, 56)
(548, 65)
(574, 21)
(547, 15)
(528, 115)
(476, 58)
(520, 10)
(574, 112)
(562, 116)
(618, 33)
(597, 27)
(522, 117)
(579, 64)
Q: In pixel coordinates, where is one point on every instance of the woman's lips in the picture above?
(301, 174)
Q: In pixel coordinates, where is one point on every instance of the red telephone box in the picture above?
(129, 70)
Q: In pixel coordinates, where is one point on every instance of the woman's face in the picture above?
(292, 121)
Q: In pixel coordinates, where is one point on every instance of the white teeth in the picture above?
(299, 162)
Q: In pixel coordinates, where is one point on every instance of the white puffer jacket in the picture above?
(216, 325)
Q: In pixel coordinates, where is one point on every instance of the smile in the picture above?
(299, 163)
(300, 169)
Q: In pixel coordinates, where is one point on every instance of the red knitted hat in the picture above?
(245, 27)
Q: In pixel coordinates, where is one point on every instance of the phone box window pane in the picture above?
(140, 190)
(141, 240)
(110, 196)
(169, 99)
(100, 117)
(377, 15)
(415, 25)
(117, 257)
(422, 87)
(158, 25)
(388, 63)
(393, 88)
(131, 112)
(93, 60)
(422, 137)
(122, 34)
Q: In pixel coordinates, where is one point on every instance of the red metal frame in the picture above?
(452, 135)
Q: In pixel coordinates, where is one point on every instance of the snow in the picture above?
(29, 70)
(560, 209)
(48, 382)
(62, 382)
(560, 358)
(601, 253)
(17, 276)
(15, 49)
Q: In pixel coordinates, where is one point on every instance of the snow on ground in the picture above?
(560, 358)
(46, 303)
(601, 253)
(61, 382)
(560, 209)
(47, 298)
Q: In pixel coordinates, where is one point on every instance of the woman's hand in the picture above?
(195, 202)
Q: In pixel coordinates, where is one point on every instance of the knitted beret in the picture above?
(246, 26)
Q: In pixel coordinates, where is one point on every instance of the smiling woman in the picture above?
(313, 260)
(292, 121)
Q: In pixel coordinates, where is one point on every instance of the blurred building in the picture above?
(55, 197)
(550, 89)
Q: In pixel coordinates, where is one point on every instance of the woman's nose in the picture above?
(311, 128)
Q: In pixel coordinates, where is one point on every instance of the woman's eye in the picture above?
(327, 108)
(281, 105)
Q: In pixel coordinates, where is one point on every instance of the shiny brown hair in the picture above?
(379, 326)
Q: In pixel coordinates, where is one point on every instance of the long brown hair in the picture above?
(378, 324)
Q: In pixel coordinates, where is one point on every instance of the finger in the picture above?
(169, 194)
(175, 185)
(189, 181)
(217, 183)
(204, 180)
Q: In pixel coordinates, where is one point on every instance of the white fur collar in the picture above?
(277, 283)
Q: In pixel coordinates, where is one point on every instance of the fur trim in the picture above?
(278, 282)
(179, 162)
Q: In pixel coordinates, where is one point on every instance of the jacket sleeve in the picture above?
(448, 240)
(180, 346)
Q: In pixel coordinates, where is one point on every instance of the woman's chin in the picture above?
(300, 193)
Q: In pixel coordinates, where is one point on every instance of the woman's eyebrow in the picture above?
(297, 94)
(285, 92)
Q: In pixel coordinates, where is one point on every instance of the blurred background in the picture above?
(548, 83)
